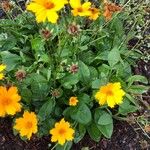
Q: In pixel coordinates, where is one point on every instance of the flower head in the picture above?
(27, 124)
(80, 9)
(46, 9)
(73, 29)
(111, 94)
(73, 68)
(20, 74)
(6, 5)
(2, 67)
(62, 132)
(73, 101)
(56, 93)
(109, 9)
(46, 34)
(9, 101)
(94, 13)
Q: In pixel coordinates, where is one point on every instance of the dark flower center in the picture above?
(49, 5)
(80, 9)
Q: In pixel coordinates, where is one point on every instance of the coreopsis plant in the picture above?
(70, 60)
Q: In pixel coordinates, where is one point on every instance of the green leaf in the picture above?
(79, 133)
(106, 130)
(138, 89)
(126, 107)
(102, 123)
(45, 126)
(81, 114)
(26, 95)
(38, 46)
(96, 84)
(67, 112)
(116, 26)
(84, 98)
(84, 72)
(105, 119)
(93, 73)
(70, 80)
(136, 78)
(8, 44)
(46, 109)
(94, 132)
(102, 56)
(11, 60)
(113, 56)
(132, 99)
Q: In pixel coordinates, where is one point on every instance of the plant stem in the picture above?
(54, 146)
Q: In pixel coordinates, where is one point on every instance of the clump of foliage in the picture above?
(71, 64)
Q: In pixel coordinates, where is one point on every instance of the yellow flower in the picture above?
(46, 9)
(80, 9)
(111, 94)
(94, 13)
(27, 124)
(2, 67)
(62, 132)
(73, 101)
(9, 101)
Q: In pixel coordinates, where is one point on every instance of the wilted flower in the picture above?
(46, 33)
(73, 101)
(2, 67)
(112, 94)
(6, 5)
(62, 132)
(55, 93)
(80, 9)
(27, 125)
(109, 9)
(73, 68)
(9, 101)
(46, 9)
(73, 29)
(20, 74)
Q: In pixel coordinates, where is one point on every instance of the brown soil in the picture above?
(124, 138)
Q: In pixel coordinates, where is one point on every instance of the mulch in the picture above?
(124, 138)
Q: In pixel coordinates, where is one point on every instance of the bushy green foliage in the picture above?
(101, 54)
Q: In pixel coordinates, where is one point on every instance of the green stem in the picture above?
(54, 146)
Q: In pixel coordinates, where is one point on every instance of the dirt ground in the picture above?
(124, 138)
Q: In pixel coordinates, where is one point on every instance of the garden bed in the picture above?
(130, 134)
(125, 137)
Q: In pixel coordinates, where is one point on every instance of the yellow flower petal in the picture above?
(41, 16)
(52, 16)
(75, 3)
(2, 67)
(1, 76)
(86, 5)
